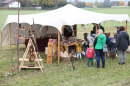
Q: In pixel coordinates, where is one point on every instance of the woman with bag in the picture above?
(122, 43)
(100, 47)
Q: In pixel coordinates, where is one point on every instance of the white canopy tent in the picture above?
(67, 15)
(55, 19)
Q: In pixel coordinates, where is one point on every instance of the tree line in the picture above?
(60, 3)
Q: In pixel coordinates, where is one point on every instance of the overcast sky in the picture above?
(97, 0)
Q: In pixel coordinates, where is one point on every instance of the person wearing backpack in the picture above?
(122, 43)
(100, 40)
(90, 54)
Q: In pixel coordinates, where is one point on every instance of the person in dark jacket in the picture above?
(100, 27)
(118, 31)
(122, 43)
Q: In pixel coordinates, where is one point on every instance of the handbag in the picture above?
(105, 50)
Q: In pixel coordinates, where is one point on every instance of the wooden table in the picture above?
(66, 47)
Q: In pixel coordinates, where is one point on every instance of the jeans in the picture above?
(100, 53)
(85, 52)
(111, 45)
(88, 60)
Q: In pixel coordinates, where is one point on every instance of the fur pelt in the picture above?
(128, 50)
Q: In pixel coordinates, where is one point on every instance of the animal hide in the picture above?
(128, 50)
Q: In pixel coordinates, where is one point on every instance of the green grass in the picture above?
(58, 75)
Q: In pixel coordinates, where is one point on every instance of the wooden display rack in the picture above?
(37, 55)
(51, 46)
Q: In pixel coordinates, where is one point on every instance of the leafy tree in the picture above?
(122, 3)
(129, 3)
(1, 5)
(80, 4)
(89, 4)
(98, 4)
(24, 2)
(62, 3)
(46, 3)
(106, 3)
(115, 2)
(33, 1)
(28, 5)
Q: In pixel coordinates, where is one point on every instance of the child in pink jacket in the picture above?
(90, 54)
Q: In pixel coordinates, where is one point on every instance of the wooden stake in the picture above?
(96, 28)
(58, 47)
(10, 36)
(126, 26)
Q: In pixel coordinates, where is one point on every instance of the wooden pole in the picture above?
(58, 47)
(96, 28)
(10, 36)
(126, 26)
(76, 30)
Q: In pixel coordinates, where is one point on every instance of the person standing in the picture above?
(98, 45)
(99, 27)
(90, 54)
(78, 49)
(86, 44)
(122, 43)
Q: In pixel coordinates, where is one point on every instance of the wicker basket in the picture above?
(65, 59)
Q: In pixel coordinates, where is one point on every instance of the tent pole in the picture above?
(10, 36)
(18, 37)
(126, 26)
(46, 30)
(96, 28)
(76, 30)
(58, 47)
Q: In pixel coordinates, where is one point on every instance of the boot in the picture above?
(114, 55)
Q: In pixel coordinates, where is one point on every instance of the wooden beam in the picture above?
(96, 28)
(10, 35)
(126, 27)
(58, 47)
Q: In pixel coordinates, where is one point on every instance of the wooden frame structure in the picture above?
(39, 60)
(75, 32)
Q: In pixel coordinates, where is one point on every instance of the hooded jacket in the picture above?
(101, 40)
(78, 47)
(122, 40)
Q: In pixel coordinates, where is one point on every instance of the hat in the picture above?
(117, 27)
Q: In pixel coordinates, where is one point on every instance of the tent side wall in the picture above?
(39, 30)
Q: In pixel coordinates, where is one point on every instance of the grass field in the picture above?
(58, 75)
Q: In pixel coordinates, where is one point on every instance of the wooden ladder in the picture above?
(37, 55)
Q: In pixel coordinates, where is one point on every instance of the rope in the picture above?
(40, 30)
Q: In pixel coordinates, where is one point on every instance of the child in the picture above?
(90, 54)
(78, 49)
(86, 44)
